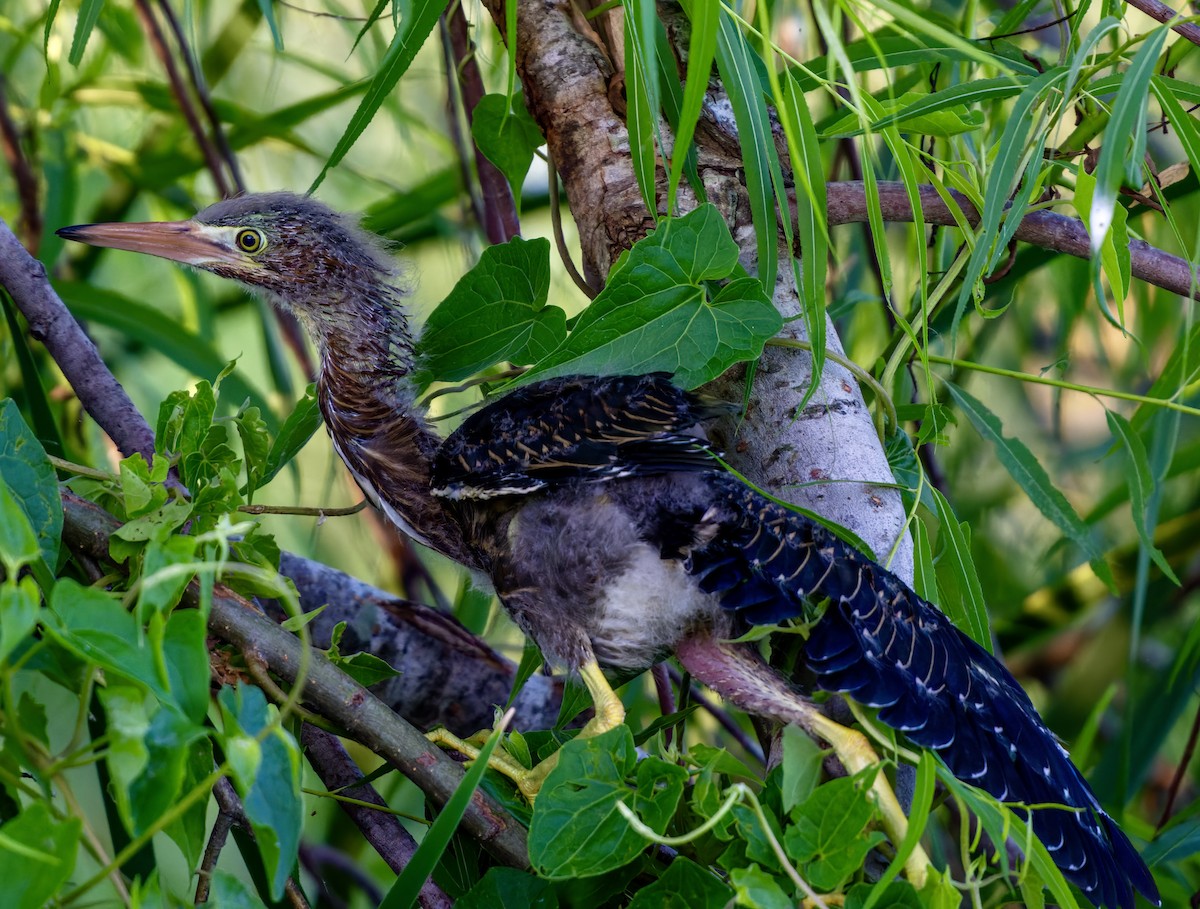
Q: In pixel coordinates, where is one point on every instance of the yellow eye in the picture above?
(249, 240)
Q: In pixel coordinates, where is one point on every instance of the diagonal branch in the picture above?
(52, 323)
(327, 691)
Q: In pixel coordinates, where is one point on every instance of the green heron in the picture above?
(609, 531)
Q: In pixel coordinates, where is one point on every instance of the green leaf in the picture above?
(896, 895)
(267, 778)
(19, 605)
(256, 446)
(37, 402)
(185, 652)
(684, 885)
(416, 27)
(170, 743)
(801, 766)
(1114, 255)
(967, 609)
(642, 96)
(507, 136)
(508, 888)
(829, 834)
(812, 231)
(741, 81)
(141, 484)
(30, 478)
(268, 11)
(18, 542)
(164, 576)
(497, 311)
(655, 313)
(94, 626)
(702, 47)
(1015, 144)
(1027, 470)
(1121, 156)
(126, 724)
(184, 419)
(297, 429)
(1141, 488)
(756, 889)
(962, 96)
(1167, 91)
(364, 668)
(230, 892)
(89, 12)
(189, 830)
(577, 830)
(37, 856)
(910, 113)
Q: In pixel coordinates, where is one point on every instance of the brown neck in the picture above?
(378, 430)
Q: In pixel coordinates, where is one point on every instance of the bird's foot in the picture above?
(527, 780)
(609, 713)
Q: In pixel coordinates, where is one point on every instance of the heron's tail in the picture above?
(887, 648)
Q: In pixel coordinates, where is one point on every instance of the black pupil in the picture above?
(249, 241)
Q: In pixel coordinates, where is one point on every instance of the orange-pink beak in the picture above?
(188, 242)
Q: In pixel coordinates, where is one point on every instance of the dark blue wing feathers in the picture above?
(883, 645)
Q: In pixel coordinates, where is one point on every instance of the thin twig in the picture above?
(666, 696)
(1185, 761)
(200, 88)
(229, 813)
(304, 510)
(722, 716)
(559, 240)
(158, 41)
(498, 210)
(30, 219)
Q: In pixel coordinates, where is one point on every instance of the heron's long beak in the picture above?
(188, 242)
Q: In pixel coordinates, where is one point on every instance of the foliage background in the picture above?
(96, 133)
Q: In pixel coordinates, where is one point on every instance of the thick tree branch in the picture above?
(448, 676)
(327, 691)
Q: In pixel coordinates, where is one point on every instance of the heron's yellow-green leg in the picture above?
(609, 714)
(856, 753)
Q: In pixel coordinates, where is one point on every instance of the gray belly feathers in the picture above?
(590, 567)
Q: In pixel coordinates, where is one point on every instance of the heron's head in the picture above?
(306, 256)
